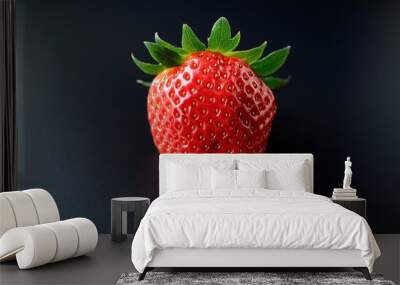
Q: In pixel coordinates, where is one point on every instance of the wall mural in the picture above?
(211, 98)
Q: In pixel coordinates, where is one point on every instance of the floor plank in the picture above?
(389, 262)
(104, 266)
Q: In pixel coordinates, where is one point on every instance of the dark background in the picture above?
(83, 131)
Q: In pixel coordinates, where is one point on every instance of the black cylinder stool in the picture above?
(119, 209)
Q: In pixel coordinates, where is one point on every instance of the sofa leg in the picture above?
(143, 274)
(364, 271)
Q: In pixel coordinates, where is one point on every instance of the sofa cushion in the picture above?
(41, 244)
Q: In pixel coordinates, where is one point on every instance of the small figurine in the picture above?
(347, 174)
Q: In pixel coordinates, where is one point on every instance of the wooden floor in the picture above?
(110, 260)
(389, 262)
(104, 266)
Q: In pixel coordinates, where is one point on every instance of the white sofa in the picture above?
(31, 231)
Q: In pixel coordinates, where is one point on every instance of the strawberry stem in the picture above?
(167, 55)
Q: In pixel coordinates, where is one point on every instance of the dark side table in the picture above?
(119, 209)
(358, 205)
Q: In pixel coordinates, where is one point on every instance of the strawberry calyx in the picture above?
(220, 40)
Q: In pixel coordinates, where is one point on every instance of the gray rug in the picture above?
(269, 278)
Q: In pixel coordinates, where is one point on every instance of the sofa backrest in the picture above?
(26, 208)
(257, 159)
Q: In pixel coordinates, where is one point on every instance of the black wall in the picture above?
(83, 130)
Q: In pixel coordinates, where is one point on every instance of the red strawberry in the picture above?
(211, 99)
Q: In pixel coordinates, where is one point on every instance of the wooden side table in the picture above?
(119, 209)
(358, 205)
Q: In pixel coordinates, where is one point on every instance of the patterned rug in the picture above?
(244, 278)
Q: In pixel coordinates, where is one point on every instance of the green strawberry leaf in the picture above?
(275, 82)
(220, 40)
(190, 42)
(148, 68)
(271, 63)
(143, 83)
(251, 55)
(167, 45)
(166, 57)
(220, 34)
(231, 44)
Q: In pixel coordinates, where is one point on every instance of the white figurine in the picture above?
(347, 174)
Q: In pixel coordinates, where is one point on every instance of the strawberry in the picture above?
(211, 98)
